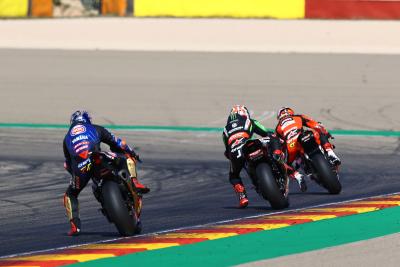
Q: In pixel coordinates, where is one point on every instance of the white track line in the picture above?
(190, 227)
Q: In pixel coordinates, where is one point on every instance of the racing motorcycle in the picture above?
(269, 177)
(315, 163)
(114, 189)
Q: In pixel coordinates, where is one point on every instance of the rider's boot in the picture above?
(138, 226)
(75, 227)
(141, 188)
(331, 154)
(241, 193)
(72, 209)
(300, 180)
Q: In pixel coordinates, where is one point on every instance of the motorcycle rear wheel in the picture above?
(269, 188)
(326, 176)
(117, 211)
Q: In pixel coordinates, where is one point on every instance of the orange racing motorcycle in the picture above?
(314, 161)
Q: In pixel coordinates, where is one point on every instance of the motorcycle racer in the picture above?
(290, 126)
(239, 128)
(81, 140)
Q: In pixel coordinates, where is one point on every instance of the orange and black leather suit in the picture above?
(290, 127)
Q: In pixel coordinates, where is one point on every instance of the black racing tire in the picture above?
(116, 209)
(269, 189)
(326, 175)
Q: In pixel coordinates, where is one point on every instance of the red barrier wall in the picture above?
(353, 9)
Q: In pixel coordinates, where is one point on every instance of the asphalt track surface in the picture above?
(187, 174)
(186, 171)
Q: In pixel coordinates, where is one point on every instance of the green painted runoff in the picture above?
(155, 128)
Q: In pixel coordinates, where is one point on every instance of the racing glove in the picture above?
(128, 150)
(321, 129)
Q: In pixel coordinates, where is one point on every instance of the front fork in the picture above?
(282, 172)
(137, 197)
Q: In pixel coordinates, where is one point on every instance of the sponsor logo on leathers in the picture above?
(78, 129)
(81, 148)
(81, 144)
(83, 163)
(237, 136)
(79, 138)
(235, 129)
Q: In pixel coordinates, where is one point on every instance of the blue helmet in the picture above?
(81, 116)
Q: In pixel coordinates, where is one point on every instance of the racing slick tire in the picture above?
(327, 177)
(117, 210)
(269, 189)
